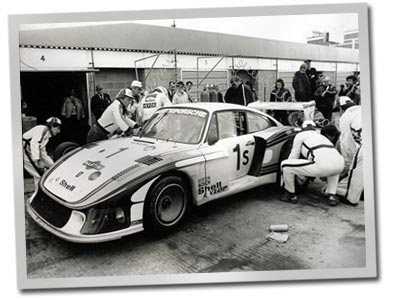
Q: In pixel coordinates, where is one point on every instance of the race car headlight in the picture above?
(102, 220)
(107, 217)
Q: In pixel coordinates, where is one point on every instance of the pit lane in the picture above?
(226, 235)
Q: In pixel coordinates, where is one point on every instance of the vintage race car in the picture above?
(185, 156)
(297, 111)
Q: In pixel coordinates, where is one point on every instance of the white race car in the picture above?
(185, 156)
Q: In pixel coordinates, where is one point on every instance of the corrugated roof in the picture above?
(147, 38)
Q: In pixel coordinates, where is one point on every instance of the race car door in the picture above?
(228, 154)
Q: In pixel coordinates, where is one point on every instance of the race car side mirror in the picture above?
(212, 139)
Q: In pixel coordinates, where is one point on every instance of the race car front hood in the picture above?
(108, 164)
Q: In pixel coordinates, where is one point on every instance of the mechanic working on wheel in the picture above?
(150, 103)
(321, 159)
(35, 140)
(114, 119)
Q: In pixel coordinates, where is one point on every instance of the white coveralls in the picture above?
(321, 160)
(34, 143)
(149, 105)
(113, 118)
(352, 186)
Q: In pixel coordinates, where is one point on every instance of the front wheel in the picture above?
(166, 205)
(63, 149)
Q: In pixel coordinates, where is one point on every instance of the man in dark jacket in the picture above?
(301, 85)
(325, 98)
(238, 93)
(99, 102)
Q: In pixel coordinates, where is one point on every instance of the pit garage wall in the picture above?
(115, 70)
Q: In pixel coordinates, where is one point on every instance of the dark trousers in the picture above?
(96, 134)
(327, 112)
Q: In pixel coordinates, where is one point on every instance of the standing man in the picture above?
(312, 75)
(73, 114)
(325, 98)
(188, 88)
(238, 93)
(35, 140)
(114, 119)
(171, 90)
(99, 102)
(149, 104)
(301, 85)
(320, 159)
(351, 184)
(180, 96)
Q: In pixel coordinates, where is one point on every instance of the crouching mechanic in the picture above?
(114, 119)
(321, 159)
(36, 159)
(150, 103)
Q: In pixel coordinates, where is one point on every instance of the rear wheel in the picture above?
(166, 205)
(63, 149)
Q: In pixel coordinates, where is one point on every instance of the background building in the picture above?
(55, 60)
(350, 39)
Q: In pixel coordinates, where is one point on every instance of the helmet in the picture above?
(161, 89)
(126, 92)
(53, 122)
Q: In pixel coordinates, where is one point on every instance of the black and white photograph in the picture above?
(196, 146)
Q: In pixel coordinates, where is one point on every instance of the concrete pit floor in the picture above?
(227, 235)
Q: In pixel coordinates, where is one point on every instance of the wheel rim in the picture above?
(170, 204)
(68, 149)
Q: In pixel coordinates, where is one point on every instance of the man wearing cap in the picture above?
(312, 155)
(350, 145)
(35, 140)
(114, 119)
(301, 85)
(325, 98)
(99, 102)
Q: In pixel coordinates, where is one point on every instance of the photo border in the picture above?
(369, 271)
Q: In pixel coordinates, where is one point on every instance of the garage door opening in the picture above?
(43, 93)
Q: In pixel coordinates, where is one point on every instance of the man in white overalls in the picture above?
(35, 140)
(351, 185)
(312, 155)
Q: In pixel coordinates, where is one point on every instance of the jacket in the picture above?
(98, 105)
(72, 106)
(37, 139)
(115, 117)
(241, 95)
(301, 86)
(149, 105)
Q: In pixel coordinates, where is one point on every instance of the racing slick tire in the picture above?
(166, 205)
(63, 149)
(301, 183)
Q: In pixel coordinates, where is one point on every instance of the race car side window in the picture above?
(257, 123)
(212, 135)
(226, 124)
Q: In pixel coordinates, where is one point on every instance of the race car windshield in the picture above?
(177, 125)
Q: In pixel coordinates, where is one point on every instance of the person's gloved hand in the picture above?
(128, 132)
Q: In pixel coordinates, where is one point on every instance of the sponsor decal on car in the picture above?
(65, 184)
(93, 165)
(186, 111)
(205, 187)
